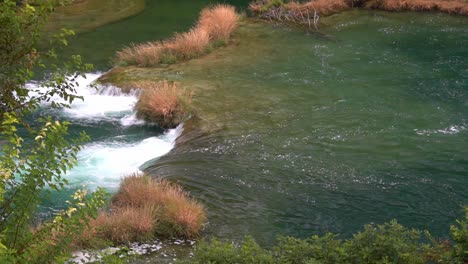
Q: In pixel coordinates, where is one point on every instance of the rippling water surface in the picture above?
(300, 133)
(306, 133)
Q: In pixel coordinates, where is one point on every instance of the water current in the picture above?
(296, 132)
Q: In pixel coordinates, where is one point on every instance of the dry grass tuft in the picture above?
(448, 6)
(144, 208)
(302, 12)
(162, 102)
(294, 12)
(189, 44)
(174, 206)
(125, 224)
(215, 24)
(323, 7)
(219, 21)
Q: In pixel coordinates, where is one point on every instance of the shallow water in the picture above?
(159, 20)
(301, 133)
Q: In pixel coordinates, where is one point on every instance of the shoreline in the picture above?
(310, 12)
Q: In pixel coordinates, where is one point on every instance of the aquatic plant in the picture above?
(145, 208)
(215, 24)
(448, 6)
(308, 12)
(144, 54)
(219, 21)
(189, 44)
(303, 13)
(163, 103)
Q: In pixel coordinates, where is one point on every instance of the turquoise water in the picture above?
(159, 20)
(301, 133)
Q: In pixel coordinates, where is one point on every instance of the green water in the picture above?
(159, 20)
(301, 133)
(307, 133)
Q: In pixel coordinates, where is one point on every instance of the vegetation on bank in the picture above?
(213, 29)
(143, 209)
(27, 170)
(308, 12)
(387, 243)
(163, 103)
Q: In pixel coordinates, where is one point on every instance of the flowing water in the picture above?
(298, 133)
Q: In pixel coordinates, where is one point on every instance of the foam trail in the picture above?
(105, 163)
(99, 102)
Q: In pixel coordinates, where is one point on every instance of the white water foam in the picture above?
(104, 163)
(451, 130)
(99, 102)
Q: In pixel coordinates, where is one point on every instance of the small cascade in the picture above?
(117, 149)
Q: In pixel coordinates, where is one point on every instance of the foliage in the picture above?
(460, 236)
(386, 243)
(33, 163)
(225, 253)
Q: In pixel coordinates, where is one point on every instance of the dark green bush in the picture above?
(386, 243)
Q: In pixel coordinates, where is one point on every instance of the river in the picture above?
(298, 133)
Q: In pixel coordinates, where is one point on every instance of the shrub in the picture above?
(387, 243)
(219, 21)
(144, 208)
(226, 253)
(162, 102)
(460, 236)
(390, 242)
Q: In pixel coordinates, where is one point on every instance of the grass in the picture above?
(189, 44)
(293, 12)
(448, 6)
(145, 208)
(215, 24)
(162, 103)
(302, 12)
(219, 21)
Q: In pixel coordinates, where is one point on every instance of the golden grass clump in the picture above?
(323, 7)
(124, 225)
(144, 208)
(189, 44)
(163, 103)
(215, 24)
(174, 207)
(294, 12)
(448, 6)
(219, 21)
(303, 12)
